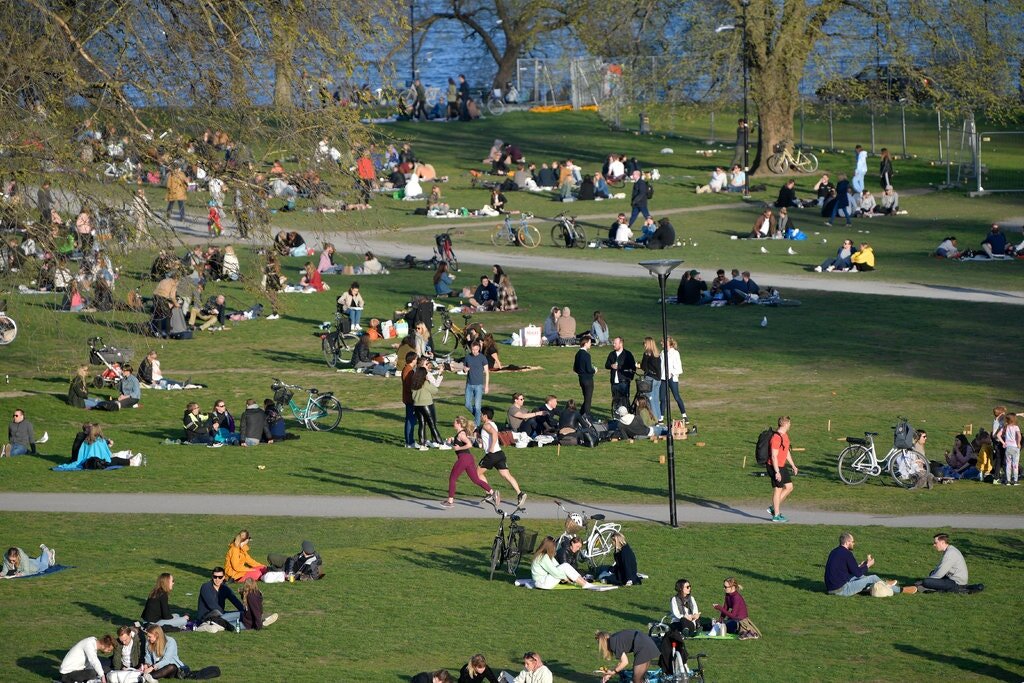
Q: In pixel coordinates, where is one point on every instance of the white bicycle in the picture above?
(599, 540)
(8, 328)
(859, 460)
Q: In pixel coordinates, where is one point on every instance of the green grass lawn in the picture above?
(855, 362)
(403, 596)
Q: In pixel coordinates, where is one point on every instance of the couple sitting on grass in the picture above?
(553, 564)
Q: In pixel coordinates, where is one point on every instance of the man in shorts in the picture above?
(782, 484)
(494, 459)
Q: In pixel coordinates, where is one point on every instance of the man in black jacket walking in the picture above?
(623, 367)
(584, 367)
(638, 200)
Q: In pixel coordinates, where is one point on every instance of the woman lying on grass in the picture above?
(17, 563)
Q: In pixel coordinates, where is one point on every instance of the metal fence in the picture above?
(997, 165)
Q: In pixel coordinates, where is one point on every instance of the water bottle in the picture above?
(238, 626)
(144, 460)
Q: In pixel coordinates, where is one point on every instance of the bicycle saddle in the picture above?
(313, 391)
(870, 433)
(854, 439)
(598, 517)
(515, 518)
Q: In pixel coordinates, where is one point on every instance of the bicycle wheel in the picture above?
(497, 550)
(529, 237)
(8, 330)
(515, 550)
(495, 106)
(600, 543)
(324, 414)
(777, 163)
(500, 236)
(346, 347)
(581, 237)
(330, 348)
(853, 464)
(558, 235)
(807, 163)
(446, 343)
(904, 480)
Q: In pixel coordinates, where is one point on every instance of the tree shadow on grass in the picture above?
(803, 583)
(563, 672)
(102, 613)
(475, 564)
(378, 487)
(203, 572)
(981, 667)
(637, 621)
(993, 655)
(1004, 550)
(45, 665)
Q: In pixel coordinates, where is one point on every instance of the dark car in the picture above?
(882, 82)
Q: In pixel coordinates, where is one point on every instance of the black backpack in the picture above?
(586, 433)
(903, 436)
(763, 450)
(650, 191)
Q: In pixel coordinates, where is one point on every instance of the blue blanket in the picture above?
(97, 449)
(50, 570)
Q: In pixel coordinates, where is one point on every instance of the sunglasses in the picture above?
(218, 576)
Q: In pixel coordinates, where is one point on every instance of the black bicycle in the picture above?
(337, 344)
(566, 232)
(509, 549)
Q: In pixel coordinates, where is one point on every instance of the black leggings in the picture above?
(426, 419)
(169, 671)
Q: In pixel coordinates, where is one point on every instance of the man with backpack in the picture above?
(776, 458)
(642, 191)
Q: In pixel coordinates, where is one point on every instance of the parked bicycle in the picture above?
(522, 235)
(568, 233)
(123, 170)
(509, 549)
(322, 411)
(783, 161)
(859, 460)
(449, 337)
(8, 328)
(337, 344)
(599, 538)
(493, 101)
(443, 251)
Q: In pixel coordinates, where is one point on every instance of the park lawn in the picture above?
(852, 363)
(394, 600)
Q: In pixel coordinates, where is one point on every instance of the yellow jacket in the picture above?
(237, 562)
(177, 186)
(866, 256)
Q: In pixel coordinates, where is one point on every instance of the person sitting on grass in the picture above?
(476, 671)
(94, 452)
(547, 574)
(994, 243)
(157, 610)
(252, 598)
(948, 248)
(734, 610)
(485, 298)
(950, 575)
(21, 437)
(550, 330)
(889, 203)
(195, 423)
(126, 661)
(631, 426)
(845, 577)
(765, 225)
(253, 428)
(130, 392)
(213, 596)
(239, 565)
(82, 662)
(161, 659)
(439, 676)
(17, 563)
(311, 278)
(306, 565)
(961, 460)
(566, 327)
(624, 570)
(864, 259)
(443, 280)
(842, 261)
(685, 614)
(719, 179)
(275, 421)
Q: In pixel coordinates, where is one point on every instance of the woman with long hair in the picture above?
(551, 325)
(619, 645)
(735, 608)
(157, 611)
(421, 339)
(78, 392)
(547, 573)
(599, 328)
(443, 280)
(239, 565)
(489, 347)
(18, 563)
(252, 599)
(423, 393)
(463, 461)
(671, 378)
(351, 304)
(624, 571)
(161, 659)
(508, 300)
(650, 365)
(311, 278)
(477, 671)
(685, 612)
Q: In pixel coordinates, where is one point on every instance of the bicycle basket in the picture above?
(903, 434)
(779, 147)
(282, 395)
(529, 541)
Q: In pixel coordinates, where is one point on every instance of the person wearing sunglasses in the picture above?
(213, 596)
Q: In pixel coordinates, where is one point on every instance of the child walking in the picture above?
(464, 463)
(1010, 438)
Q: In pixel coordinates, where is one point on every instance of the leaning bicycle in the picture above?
(337, 345)
(783, 161)
(8, 328)
(522, 235)
(568, 233)
(859, 460)
(322, 411)
(509, 549)
(598, 541)
(449, 337)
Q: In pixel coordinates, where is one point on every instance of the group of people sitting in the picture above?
(994, 245)
(653, 235)
(257, 425)
(849, 258)
(737, 289)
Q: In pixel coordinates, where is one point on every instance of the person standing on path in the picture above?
(177, 192)
(419, 107)
(583, 366)
(860, 170)
(464, 463)
(638, 200)
(742, 131)
(623, 367)
(478, 379)
(494, 459)
(845, 577)
(782, 484)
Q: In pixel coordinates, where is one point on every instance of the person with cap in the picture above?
(664, 236)
(693, 291)
(994, 243)
(631, 426)
(306, 565)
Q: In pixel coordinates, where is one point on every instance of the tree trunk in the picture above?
(775, 125)
(283, 37)
(506, 67)
(283, 73)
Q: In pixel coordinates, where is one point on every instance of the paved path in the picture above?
(409, 508)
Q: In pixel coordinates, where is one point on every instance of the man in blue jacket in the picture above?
(212, 597)
(845, 577)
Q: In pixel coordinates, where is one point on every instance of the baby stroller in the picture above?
(112, 358)
(443, 251)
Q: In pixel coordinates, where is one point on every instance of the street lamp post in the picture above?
(662, 269)
(746, 120)
(412, 40)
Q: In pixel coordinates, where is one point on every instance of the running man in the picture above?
(494, 459)
(782, 484)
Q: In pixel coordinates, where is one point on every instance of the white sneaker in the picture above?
(215, 444)
(423, 447)
(443, 447)
(830, 268)
(267, 621)
(210, 627)
(817, 269)
(44, 438)
(273, 317)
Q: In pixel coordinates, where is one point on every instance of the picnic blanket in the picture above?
(707, 636)
(49, 570)
(528, 583)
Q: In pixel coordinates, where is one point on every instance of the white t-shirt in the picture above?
(623, 234)
(739, 179)
(81, 656)
(616, 169)
(718, 181)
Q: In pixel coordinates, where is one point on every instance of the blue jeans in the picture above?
(835, 211)
(176, 621)
(474, 399)
(19, 449)
(355, 315)
(410, 425)
(674, 386)
(655, 397)
(637, 210)
(855, 586)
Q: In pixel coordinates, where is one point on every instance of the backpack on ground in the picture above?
(586, 433)
(650, 191)
(763, 450)
(903, 436)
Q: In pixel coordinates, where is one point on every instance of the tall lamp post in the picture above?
(662, 269)
(746, 95)
(412, 40)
